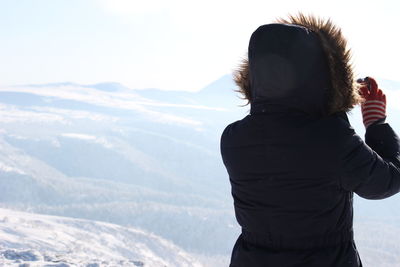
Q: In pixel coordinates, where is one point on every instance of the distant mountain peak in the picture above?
(224, 83)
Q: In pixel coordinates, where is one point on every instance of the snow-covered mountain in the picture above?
(146, 158)
(143, 158)
(37, 240)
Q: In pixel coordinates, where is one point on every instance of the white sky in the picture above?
(175, 44)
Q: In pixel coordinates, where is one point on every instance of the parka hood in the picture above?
(288, 68)
(299, 63)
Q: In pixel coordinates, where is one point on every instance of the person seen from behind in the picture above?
(295, 162)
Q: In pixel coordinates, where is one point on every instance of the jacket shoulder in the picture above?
(232, 131)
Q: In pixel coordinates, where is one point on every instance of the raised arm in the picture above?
(372, 169)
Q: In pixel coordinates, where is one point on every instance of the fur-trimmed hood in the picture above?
(301, 62)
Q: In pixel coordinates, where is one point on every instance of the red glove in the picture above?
(374, 107)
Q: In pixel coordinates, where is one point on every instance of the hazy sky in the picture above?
(175, 44)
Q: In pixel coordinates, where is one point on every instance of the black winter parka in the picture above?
(293, 171)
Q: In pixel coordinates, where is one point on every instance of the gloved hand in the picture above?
(374, 107)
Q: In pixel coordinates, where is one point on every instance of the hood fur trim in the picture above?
(344, 93)
(242, 79)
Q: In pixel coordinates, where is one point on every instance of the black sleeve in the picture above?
(371, 169)
(384, 141)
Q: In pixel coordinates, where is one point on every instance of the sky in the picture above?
(174, 44)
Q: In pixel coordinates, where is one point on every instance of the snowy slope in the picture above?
(39, 240)
(108, 153)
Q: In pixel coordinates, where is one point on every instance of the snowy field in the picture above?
(38, 240)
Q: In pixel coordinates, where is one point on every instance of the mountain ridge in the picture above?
(45, 240)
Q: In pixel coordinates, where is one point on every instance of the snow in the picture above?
(120, 100)
(99, 140)
(40, 240)
(6, 168)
